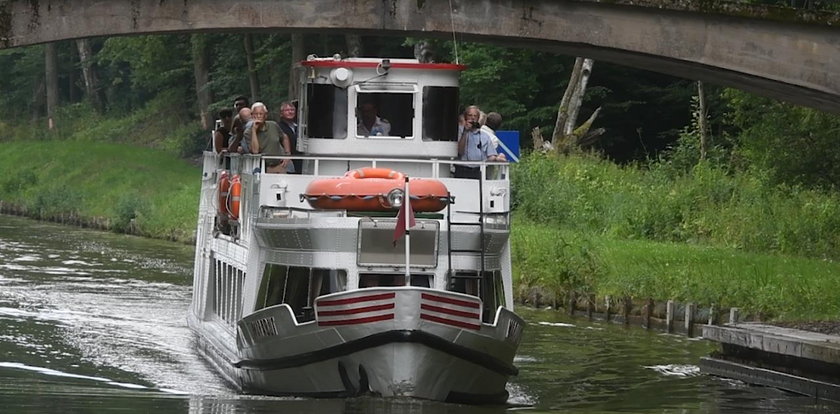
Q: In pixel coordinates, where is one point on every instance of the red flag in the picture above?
(400, 229)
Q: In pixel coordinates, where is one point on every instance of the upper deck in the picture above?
(417, 101)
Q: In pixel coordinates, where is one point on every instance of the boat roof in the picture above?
(372, 63)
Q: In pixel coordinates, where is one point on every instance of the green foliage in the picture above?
(562, 262)
(777, 286)
(794, 145)
(103, 181)
(705, 205)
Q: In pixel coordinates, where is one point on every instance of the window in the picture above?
(367, 280)
(298, 287)
(395, 112)
(487, 286)
(326, 111)
(440, 113)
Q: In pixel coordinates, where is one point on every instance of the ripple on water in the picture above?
(57, 373)
(675, 370)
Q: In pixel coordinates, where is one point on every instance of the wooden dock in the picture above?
(790, 359)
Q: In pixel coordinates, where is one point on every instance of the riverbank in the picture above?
(153, 193)
(118, 187)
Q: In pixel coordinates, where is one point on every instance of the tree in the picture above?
(89, 75)
(201, 70)
(566, 136)
(51, 73)
(253, 79)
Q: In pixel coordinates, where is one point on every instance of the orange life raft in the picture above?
(367, 189)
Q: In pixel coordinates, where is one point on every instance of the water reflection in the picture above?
(95, 322)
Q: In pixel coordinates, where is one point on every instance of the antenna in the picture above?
(454, 40)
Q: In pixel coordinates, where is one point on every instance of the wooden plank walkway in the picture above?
(798, 361)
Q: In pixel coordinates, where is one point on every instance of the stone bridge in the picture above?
(781, 53)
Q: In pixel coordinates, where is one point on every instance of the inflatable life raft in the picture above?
(375, 189)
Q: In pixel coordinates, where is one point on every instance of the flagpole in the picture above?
(407, 199)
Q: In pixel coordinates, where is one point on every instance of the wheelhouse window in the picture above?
(368, 280)
(326, 110)
(385, 114)
(440, 113)
(298, 287)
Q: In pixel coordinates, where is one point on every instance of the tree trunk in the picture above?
(577, 96)
(565, 135)
(91, 79)
(563, 111)
(51, 69)
(297, 56)
(354, 45)
(37, 103)
(201, 71)
(701, 121)
(253, 80)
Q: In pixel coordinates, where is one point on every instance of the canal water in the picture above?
(94, 322)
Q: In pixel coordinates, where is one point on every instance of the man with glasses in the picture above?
(474, 145)
(266, 138)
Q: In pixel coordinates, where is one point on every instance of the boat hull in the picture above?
(404, 355)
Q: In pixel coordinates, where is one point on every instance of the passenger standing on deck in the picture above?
(221, 136)
(474, 145)
(491, 123)
(266, 138)
(289, 126)
(240, 103)
(238, 142)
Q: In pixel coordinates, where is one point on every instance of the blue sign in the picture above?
(509, 144)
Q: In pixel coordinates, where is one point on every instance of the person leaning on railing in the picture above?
(474, 145)
(266, 138)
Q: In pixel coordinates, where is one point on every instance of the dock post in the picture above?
(590, 306)
(713, 315)
(572, 302)
(734, 315)
(648, 310)
(669, 316)
(607, 309)
(689, 320)
(628, 305)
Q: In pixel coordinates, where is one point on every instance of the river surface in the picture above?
(95, 322)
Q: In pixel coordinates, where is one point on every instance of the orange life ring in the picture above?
(234, 197)
(371, 172)
(367, 189)
(223, 187)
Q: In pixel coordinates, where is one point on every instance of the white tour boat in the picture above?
(304, 284)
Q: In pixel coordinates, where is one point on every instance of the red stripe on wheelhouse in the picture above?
(357, 321)
(370, 65)
(356, 299)
(464, 303)
(449, 322)
(452, 312)
(356, 310)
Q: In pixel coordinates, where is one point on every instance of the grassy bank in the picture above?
(704, 206)
(122, 187)
(776, 286)
(589, 226)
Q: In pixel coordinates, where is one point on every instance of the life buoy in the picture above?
(234, 197)
(367, 189)
(372, 172)
(223, 187)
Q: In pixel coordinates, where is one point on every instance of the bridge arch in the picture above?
(789, 60)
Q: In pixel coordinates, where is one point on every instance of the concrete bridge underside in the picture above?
(796, 62)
